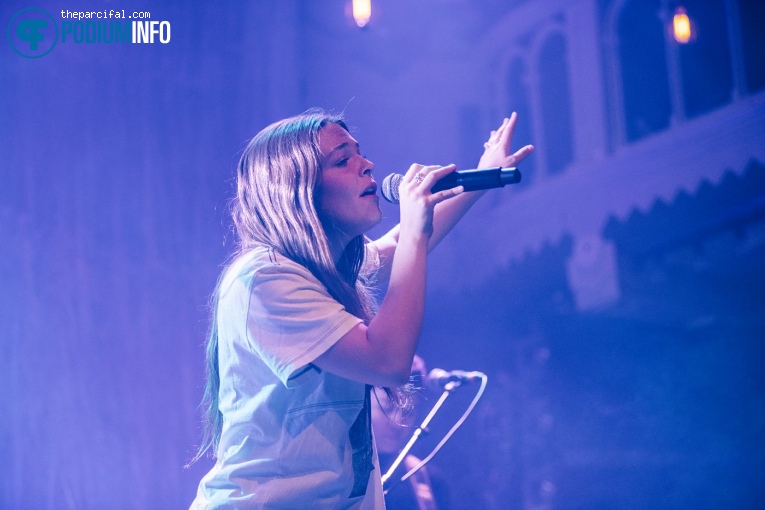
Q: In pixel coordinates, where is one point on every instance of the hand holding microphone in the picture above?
(472, 180)
(497, 166)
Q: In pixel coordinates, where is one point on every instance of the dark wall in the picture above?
(115, 167)
(655, 401)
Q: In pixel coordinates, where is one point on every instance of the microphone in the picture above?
(438, 378)
(473, 180)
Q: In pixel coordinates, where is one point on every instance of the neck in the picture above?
(337, 245)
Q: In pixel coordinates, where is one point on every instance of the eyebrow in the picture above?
(343, 146)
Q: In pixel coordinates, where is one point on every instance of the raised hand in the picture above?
(497, 148)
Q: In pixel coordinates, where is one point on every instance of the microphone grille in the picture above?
(390, 188)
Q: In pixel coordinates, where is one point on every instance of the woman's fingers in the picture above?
(433, 177)
(440, 196)
(413, 170)
(520, 155)
(431, 174)
(419, 174)
(419, 180)
(508, 128)
(504, 134)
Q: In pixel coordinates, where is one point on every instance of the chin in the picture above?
(358, 227)
(377, 219)
(370, 225)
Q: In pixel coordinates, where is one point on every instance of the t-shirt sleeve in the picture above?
(292, 319)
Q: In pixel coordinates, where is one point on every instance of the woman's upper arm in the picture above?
(354, 357)
(386, 247)
(293, 321)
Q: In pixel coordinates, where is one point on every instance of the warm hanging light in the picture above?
(681, 26)
(362, 11)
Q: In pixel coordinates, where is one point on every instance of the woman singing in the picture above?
(297, 340)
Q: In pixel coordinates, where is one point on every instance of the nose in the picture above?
(368, 167)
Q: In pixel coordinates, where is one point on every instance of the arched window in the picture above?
(751, 14)
(555, 103)
(704, 62)
(518, 100)
(655, 81)
(643, 62)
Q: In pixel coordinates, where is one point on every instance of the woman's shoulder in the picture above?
(258, 262)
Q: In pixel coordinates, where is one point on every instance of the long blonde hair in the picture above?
(275, 206)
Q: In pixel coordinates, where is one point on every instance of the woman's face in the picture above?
(346, 196)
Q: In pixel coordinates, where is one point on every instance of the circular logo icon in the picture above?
(32, 32)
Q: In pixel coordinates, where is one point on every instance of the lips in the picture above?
(370, 190)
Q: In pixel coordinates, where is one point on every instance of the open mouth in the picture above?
(370, 190)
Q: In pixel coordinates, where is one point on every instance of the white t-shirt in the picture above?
(285, 442)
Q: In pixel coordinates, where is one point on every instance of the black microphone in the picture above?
(438, 378)
(473, 180)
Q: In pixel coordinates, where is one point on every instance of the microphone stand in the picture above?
(401, 456)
